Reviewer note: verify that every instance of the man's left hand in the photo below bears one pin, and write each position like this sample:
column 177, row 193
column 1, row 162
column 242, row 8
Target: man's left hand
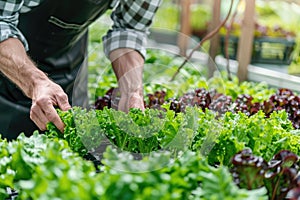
column 128, row 67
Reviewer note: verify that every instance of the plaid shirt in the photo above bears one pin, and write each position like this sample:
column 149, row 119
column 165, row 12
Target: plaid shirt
column 131, row 18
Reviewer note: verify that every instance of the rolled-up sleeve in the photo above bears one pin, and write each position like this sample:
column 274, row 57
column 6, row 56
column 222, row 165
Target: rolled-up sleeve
column 9, row 15
column 131, row 21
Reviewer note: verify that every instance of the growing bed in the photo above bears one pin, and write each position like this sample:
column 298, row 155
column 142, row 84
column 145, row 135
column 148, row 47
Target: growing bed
column 197, row 139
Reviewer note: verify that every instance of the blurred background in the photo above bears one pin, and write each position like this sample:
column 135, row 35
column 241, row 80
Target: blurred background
column 259, row 42
column 276, row 35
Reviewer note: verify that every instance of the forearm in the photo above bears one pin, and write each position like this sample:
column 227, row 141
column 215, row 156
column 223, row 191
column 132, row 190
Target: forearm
column 128, row 67
column 45, row 94
column 18, row 67
column 127, row 62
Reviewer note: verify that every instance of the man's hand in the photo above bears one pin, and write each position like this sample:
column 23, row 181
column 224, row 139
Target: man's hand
column 46, row 95
column 128, row 67
column 131, row 92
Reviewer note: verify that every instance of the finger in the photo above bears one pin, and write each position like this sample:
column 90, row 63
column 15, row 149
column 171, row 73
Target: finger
column 50, row 113
column 38, row 117
column 53, row 117
column 62, row 102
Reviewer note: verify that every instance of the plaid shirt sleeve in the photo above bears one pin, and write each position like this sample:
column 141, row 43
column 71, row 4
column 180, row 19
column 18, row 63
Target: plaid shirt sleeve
column 132, row 19
column 9, row 14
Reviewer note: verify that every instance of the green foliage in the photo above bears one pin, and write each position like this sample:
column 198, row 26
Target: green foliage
column 200, row 16
column 137, row 131
column 160, row 66
column 186, row 177
column 99, row 28
column 167, row 16
column 260, row 91
column 42, row 168
column 62, row 175
column 234, row 132
column 71, row 131
column 55, row 172
column 153, row 130
column 217, row 184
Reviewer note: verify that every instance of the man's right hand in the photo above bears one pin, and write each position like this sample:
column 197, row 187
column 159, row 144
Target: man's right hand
column 45, row 96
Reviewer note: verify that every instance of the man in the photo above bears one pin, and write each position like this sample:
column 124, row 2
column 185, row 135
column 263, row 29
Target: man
column 43, row 45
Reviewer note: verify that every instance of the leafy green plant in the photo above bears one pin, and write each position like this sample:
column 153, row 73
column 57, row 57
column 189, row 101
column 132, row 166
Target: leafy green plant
column 218, row 184
column 137, row 131
column 186, row 177
column 42, row 168
column 71, row 133
column 265, row 136
column 260, row 91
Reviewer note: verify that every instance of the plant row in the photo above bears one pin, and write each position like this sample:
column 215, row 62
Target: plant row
column 160, row 153
column 283, row 99
column 42, row 168
column 216, row 138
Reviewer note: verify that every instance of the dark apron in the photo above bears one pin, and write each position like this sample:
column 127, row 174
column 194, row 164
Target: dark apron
column 56, row 32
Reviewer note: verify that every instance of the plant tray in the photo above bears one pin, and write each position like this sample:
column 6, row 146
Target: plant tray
column 266, row 50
